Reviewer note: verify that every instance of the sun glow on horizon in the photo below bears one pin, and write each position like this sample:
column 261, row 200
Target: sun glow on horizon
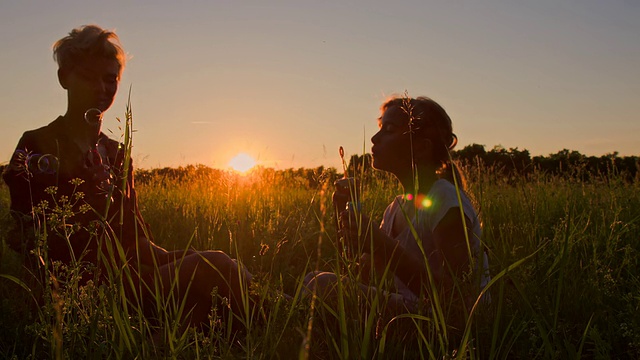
column 242, row 162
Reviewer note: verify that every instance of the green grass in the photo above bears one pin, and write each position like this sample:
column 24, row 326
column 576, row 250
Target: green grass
column 564, row 255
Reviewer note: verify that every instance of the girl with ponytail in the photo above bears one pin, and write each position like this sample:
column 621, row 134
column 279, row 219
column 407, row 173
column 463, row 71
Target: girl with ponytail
column 429, row 238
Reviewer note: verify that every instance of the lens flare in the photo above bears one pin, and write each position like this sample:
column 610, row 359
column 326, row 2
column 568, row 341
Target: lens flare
column 421, row 201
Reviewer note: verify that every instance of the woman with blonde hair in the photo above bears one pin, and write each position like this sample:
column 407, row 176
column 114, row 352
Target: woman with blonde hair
column 73, row 162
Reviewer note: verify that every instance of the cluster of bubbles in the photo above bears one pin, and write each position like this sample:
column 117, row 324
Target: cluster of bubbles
column 25, row 162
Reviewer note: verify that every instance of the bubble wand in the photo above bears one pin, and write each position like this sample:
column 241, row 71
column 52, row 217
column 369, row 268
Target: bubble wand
column 344, row 165
column 345, row 198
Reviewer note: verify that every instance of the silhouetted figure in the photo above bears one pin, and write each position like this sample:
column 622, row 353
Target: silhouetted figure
column 71, row 165
column 423, row 233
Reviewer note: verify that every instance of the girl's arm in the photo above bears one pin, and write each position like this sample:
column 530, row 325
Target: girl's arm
column 451, row 253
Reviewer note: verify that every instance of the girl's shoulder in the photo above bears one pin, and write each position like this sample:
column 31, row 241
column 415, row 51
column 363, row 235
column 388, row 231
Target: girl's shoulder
column 442, row 197
column 443, row 192
column 394, row 205
column 390, row 213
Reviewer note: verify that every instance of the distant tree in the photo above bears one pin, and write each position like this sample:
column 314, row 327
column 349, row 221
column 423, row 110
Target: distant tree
column 359, row 164
column 629, row 165
column 472, row 154
column 564, row 162
column 316, row 176
column 520, row 160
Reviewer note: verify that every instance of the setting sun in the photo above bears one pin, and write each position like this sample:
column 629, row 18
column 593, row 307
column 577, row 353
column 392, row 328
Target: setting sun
column 242, row 162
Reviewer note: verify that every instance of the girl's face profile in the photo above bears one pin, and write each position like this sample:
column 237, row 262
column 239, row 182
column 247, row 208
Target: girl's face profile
column 391, row 149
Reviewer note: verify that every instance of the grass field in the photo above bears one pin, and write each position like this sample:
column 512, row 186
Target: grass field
column 564, row 255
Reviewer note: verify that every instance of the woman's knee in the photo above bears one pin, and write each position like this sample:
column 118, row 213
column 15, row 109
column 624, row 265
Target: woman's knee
column 320, row 282
column 216, row 256
column 224, row 265
column 214, row 259
column 310, row 277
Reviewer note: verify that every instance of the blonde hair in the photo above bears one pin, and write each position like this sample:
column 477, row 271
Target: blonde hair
column 87, row 42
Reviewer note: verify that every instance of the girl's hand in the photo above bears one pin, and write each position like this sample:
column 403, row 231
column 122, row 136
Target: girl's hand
column 340, row 200
column 346, row 190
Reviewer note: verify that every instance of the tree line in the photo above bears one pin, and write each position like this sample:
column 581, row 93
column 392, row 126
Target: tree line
column 514, row 161
column 508, row 162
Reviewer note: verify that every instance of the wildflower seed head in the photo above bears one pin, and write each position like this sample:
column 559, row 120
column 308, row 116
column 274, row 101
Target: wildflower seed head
column 42, row 206
column 76, row 182
column 84, row 208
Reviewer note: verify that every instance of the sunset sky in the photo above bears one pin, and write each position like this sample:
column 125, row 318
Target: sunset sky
column 288, row 82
